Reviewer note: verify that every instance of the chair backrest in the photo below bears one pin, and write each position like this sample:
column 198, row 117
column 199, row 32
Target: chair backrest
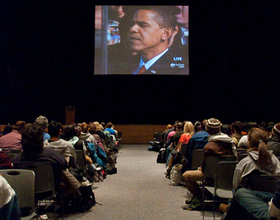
column 44, row 178
column 23, row 182
column 80, row 159
column 261, row 181
column 224, row 178
column 197, row 158
column 210, row 167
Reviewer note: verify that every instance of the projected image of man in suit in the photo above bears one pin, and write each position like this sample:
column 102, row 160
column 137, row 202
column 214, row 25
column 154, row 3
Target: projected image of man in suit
column 150, row 35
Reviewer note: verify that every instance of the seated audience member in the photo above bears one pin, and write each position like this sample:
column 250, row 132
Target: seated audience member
column 99, row 143
column 197, row 126
column 12, row 140
column 96, row 128
column 56, row 143
column 85, row 135
column 174, row 139
column 219, row 144
column 269, row 128
column 166, row 133
column 42, row 122
column 227, row 130
column 69, row 134
column 243, row 142
column 261, row 159
column 197, row 141
column 237, row 128
column 8, row 128
column 35, row 152
column 5, row 162
column 9, row 206
column 184, row 139
column 274, row 141
column 110, row 127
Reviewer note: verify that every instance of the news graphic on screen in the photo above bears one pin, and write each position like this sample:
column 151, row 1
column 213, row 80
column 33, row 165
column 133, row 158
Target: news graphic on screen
column 144, row 39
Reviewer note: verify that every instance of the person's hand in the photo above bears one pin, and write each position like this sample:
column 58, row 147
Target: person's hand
column 199, row 168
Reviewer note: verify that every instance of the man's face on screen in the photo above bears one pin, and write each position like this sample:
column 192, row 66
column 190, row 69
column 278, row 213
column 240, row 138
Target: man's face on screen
column 145, row 33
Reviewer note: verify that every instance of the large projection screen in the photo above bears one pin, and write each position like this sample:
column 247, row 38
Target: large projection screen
column 129, row 38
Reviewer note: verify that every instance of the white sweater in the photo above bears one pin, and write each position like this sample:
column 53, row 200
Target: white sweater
column 6, row 192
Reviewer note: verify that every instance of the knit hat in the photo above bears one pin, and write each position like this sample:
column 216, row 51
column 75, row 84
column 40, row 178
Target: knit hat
column 276, row 129
column 213, row 126
column 42, row 121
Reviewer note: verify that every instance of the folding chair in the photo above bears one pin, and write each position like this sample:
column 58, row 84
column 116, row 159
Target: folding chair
column 218, row 177
column 80, row 159
column 263, row 181
column 197, row 158
column 44, row 183
column 25, row 190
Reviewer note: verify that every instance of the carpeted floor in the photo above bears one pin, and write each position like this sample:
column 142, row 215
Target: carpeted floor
column 139, row 191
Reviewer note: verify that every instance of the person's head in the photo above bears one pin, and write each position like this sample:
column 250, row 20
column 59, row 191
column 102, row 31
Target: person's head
column 85, row 128
column 20, row 126
column 213, row 126
column 109, row 125
column 179, row 126
column 269, row 128
column 68, row 132
column 54, row 129
column 32, row 139
column 78, row 131
column 151, row 29
column 197, row 126
column 276, row 129
column 188, row 127
column 257, row 140
column 98, row 126
column 251, row 125
column 8, row 128
column 237, row 127
column 91, row 128
column 203, row 124
column 225, row 128
column 42, row 122
column 169, row 126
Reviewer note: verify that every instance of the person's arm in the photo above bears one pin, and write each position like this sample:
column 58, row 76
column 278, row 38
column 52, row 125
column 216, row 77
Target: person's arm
column 236, row 178
column 274, row 205
column 273, row 210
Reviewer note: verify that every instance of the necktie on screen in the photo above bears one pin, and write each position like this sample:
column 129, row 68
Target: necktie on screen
column 141, row 70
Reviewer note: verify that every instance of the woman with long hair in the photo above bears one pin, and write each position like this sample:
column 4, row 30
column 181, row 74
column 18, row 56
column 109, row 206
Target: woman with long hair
column 249, row 201
column 188, row 132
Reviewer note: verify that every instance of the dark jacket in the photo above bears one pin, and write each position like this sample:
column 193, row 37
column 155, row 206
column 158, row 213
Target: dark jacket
column 274, row 144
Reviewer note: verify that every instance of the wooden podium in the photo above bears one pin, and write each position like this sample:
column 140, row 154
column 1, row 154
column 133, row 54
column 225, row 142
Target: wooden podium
column 69, row 115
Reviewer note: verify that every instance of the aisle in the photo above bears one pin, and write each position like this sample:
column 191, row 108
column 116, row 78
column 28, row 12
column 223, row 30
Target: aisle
column 139, row 191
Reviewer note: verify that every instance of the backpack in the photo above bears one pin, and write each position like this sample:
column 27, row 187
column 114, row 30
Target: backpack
column 88, row 198
column 84, row 204
column 95, row 158
column 161, row 158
